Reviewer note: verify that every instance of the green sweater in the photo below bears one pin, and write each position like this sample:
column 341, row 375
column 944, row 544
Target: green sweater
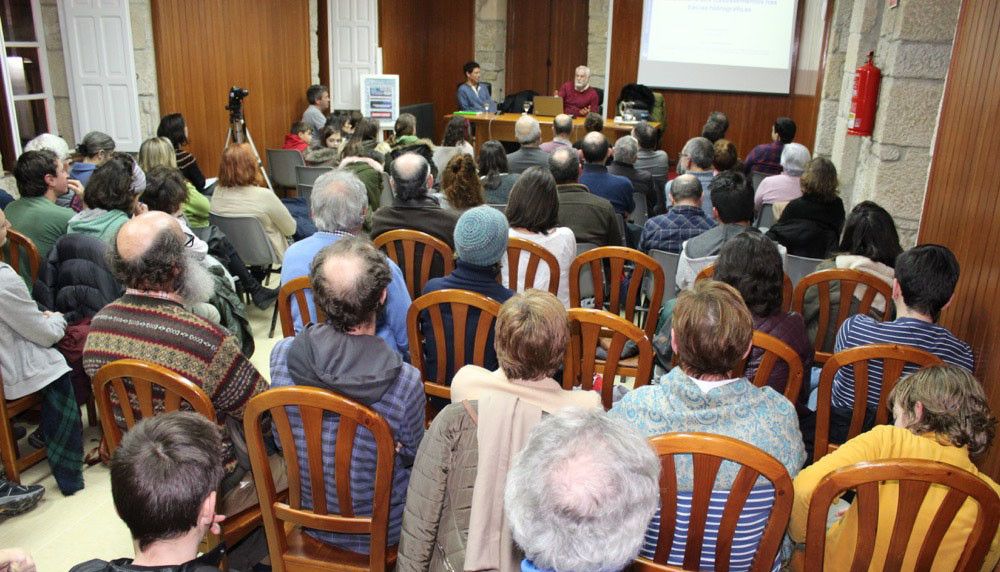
column 196, row 208
column 39, row 219
column 98, row 223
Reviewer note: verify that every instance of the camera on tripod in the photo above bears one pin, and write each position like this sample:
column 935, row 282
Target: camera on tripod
column 235, row 107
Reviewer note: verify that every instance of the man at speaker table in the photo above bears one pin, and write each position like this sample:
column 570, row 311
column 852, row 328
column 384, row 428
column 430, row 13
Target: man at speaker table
column 472, row 95
column 578, row 97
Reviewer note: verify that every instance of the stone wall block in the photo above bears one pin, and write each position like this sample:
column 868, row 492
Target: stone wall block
column 927, row 20
column 57, row 72
column 918, row 60
column 826, row 128
column 142, row 25
column 50, row 27
column 64, row 120
column 145, row 70
column 833, row 76
column 907, row 111
column 899, row 186
column 886, row 152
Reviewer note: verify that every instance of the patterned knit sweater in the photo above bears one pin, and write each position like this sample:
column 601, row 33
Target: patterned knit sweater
column 163, row 332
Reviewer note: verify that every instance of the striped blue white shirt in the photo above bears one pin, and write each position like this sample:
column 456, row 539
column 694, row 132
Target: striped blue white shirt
column 862, row 330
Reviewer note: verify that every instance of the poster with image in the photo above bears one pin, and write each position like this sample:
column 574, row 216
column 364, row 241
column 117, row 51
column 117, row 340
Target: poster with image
column 380, row 98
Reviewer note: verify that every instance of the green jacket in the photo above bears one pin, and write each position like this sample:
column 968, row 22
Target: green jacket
column 98, row 223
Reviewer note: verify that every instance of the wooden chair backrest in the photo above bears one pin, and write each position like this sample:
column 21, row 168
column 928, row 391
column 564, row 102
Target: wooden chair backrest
column 849, row 281
column 536, row 254
column 708, row 451
column 313, row 404
column 146, row 381
column 894, row 358
column 401, row 247
column 586, row 327
column 616, row 257
column 18, row 244
column 774, row 350
column 460, row 302
column 295, row 289
column 914, row 478
column 786, row 286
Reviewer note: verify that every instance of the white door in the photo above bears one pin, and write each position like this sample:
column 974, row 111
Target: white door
column 353, row 49
column 97, row 42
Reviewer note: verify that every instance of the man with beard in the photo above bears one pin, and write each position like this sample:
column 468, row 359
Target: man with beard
column 151, row 322
column 578, row 97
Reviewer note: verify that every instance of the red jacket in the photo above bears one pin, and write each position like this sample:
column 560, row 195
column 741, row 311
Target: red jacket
column 293, row 141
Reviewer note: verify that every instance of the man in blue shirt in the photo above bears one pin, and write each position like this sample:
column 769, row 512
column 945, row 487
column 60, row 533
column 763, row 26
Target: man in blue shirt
column 339, row 202
column 595, row 176
column 684, row 220
column 472, row 95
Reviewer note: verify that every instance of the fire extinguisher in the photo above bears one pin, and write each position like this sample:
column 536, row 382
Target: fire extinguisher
column 864, row 98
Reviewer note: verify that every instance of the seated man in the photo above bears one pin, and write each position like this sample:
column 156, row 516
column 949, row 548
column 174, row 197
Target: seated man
column 626, row 151
column 164, row 477
column 712, row 334
column 650, row 157
column 684, row 220
column 766, row 157
column 578, row 97
column 529, row 135
column 595, row 176
column 319, row 103
column 696, row 159
column 925, row 281
column 151, row 323
column 591, row 218
column 299, row 137
column 472, row 95
column 339, row 205
column 343, row 355
column 715, row 126
column 562, row 128
column 41, row 177
column 412, row 207
column 580, row 494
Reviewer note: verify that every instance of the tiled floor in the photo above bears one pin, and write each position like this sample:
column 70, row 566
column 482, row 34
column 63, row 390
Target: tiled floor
column 63, row 531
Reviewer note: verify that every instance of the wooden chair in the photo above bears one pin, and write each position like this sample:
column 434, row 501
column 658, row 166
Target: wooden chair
column 617, row 302
column 849, row 280
column 912, row 479
column 536, row 254
column 587, row 328
column 295, row 289
column 460, row 302
column 159, row 390
column 13, row 462
column 707, row 452
column 18, row 245
column 289, row 546
column 786, row 286
column 894, row 358
column 401, row 247
column 774, row 350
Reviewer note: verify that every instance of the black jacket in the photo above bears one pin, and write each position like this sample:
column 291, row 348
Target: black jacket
column 76, row 279
column 809, row 226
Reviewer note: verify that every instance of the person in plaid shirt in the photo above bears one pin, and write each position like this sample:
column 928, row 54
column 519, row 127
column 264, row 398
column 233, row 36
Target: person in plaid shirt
column 766, row 157
column 684, row 220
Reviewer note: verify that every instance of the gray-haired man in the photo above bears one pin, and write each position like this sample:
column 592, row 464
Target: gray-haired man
column 529, row 134
column 626, row 151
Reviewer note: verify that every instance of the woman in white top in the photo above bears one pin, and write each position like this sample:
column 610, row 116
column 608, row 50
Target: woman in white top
column 533, row 213
column 455, row 142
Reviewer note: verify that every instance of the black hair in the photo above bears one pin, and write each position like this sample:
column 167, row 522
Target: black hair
column 785, row 128
column 110, row 187
column 166, row 189
column 315, row 93
column 470, row 67
column 593, row 122
column 751, row 263
column 30, row 171
column 870, row 231
column 326, row 132
column 336, row 120
column 647, row 135
column 732, row 196
column 300, row 127
column 172, row 127
column 492, row 162
column 349, row 306
column 534, row 202
column 927, row 275
column 456, row 132
column 565, row 166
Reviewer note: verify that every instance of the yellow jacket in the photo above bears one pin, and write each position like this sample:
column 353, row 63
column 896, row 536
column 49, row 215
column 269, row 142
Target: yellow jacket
column 881, row 443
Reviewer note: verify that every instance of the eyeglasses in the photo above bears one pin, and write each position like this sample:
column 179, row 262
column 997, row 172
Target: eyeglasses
column 190, row 241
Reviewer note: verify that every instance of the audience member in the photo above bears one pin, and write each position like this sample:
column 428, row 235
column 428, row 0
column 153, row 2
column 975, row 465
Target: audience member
column 444, row 526
column 715, row 126
column 578, row 97
column 31, row 364
column 325, row 148
column 299, row 137
column 529, row 135
column 93, row 150
column 109, row 198
column 533, row 214
column 174, row 128
column 412, row 208
column 159, row 152
column 350, row 122
column 404, row 131
column 366, row 165
column 650, row 158
column 925, row 281
column 73, row 197
column 810, row 225
column 473, row 95
column 712, row 334
column 364, row 138
column 784, row 187
column 164, row 478
column 319, row 103
column 460, row 185
column 941, row 414
column 41, row 177
column 350, row 280
column 696, row 159
column 871, row 245
column 684, row 220
column 338, row 206
column 494, row 173
column 595, row 176
column 766, row 157
column 562, row 129
column 150, row 323
column 455, row 142
column 591, row 218
column 480, row 244
column 726, row 157
column 626, row 151
column 580, row 494
column 239, row 194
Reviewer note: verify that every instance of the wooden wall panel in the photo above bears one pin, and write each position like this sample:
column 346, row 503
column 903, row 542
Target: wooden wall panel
column 567, row 40
column 750, row 115
column 204, row 48
column 529, row 25
column 402, row 35
column 961, row 207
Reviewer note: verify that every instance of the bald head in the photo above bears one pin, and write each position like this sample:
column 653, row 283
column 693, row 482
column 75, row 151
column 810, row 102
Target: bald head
column 565, row 165
column 410, row 175
column 349, row 280
column 595, row 147
column 562, row 125
column 686, row 189
column 526, row 131
column 149, row 253
column 139, row 233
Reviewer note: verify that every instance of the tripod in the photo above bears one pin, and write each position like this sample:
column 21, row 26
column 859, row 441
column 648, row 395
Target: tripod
column 240, row 133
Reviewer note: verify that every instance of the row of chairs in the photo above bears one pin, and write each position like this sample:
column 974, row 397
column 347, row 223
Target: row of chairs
column 288, row 170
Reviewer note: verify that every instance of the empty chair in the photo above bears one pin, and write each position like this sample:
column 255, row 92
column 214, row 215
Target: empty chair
column 305, row 177
column 765, row 218
column 590, row 329
column 639, row 214
column 252, row 244
column 668, row 262
column 281, row 166
column 612, row 292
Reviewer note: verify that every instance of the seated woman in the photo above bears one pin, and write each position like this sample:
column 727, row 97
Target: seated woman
column 810, row 225
column 941, row 414
column 110, row 199
column 460, row 186
column 405, row 130
column 175, row 129
column 455, row 142
column 533, row 214
column 31, row 364
column 713, row 330
column 159, row 152
column 325, row 151
column 444, row 526
column 870, row 244
column 493, row 171
column 239, row 194
column 92, row 151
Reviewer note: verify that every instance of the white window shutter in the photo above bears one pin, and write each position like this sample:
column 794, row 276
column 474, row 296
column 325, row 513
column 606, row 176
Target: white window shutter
column 100, row 69
column 353, row 26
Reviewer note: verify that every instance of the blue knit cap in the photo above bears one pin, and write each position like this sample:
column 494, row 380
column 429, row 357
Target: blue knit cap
column 481, row 236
